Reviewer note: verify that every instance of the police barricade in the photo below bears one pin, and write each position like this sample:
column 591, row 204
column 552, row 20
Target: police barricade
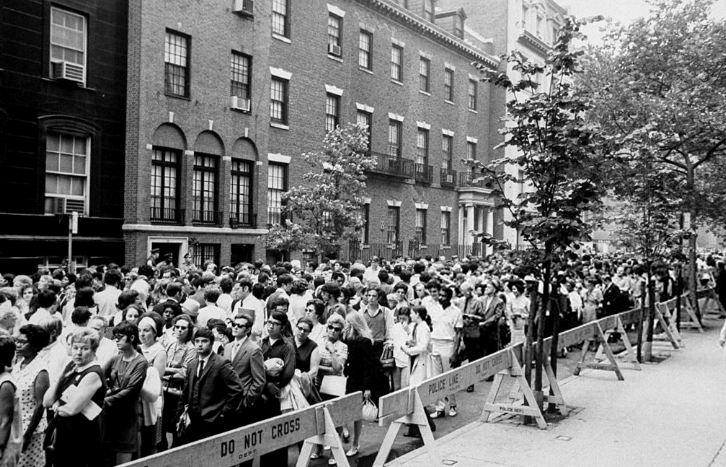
column 407, row 406
column 315, row 425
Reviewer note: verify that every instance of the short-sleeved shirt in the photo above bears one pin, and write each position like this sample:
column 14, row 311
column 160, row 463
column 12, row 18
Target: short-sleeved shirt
column 445, row 322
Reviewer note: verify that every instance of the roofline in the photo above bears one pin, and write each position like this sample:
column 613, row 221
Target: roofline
column 433, row 31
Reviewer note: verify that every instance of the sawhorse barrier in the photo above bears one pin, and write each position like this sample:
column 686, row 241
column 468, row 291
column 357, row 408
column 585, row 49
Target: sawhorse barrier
column 705, row 298
column 315, row 425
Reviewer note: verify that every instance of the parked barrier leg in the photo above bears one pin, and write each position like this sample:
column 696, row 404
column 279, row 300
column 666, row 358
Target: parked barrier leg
column 630, row 356
column 417, row 417
column 327, row 436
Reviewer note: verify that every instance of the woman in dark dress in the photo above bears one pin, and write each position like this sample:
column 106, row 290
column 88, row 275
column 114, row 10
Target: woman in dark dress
column 125, row 377
column 362, row 369
column 77, row 434
column 307, row 355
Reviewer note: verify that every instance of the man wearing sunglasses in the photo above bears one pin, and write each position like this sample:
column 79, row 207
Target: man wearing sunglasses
column 246, row 358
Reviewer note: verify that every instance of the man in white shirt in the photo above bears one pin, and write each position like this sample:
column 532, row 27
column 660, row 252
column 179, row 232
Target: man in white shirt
column 108, row 298
column 225, row 299
column 211, row 295
column 106, row 347
column 370, row 276
column 248, row 301
column 47, row 305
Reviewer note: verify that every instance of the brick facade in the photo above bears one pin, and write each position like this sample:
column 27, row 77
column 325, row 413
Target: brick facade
column 215, row 31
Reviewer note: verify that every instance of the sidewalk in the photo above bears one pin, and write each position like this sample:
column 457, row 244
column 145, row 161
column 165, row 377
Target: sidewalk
column 669, row 414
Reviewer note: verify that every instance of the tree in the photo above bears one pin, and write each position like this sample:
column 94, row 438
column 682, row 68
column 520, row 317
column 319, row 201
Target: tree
column 558, row 156
column 326, row 210
column 659, row 88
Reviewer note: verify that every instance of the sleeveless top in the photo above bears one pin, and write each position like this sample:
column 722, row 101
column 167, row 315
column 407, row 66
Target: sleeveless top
column 26, row 388
column 15, row 441
column 377, row 323
column 71, row 377
column 302, row 355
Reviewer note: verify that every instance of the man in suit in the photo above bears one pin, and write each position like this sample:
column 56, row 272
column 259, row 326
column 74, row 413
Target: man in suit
column 493, row 307
column 246, row 358
column 611, row 297
column 212, row 391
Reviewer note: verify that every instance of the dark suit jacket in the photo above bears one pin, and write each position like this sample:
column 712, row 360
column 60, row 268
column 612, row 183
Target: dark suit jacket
column 492, row 313
column 250, row 367
column 219, row 390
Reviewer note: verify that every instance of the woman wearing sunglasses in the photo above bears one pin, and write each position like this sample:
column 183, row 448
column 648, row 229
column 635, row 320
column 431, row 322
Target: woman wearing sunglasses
column 178, row 356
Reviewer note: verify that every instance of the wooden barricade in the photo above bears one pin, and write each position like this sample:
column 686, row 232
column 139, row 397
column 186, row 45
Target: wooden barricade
column 597, row 336
column 667, row 321
column 618, row 327
column 407, row 405
column 691, row 320
column 313, row 425
column 707, row 297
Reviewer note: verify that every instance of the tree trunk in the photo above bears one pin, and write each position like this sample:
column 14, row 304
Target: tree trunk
column 557, row 307
column 639, row 326
column 541, row 324
column 648, row 348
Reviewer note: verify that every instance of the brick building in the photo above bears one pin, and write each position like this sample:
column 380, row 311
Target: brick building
column 224, row 96
column 62, row 128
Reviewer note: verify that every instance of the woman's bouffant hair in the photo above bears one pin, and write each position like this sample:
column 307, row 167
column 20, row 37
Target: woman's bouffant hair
column 91, row 336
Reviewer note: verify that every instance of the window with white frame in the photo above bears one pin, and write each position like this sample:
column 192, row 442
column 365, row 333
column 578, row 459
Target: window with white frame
column 394, row 138
column 334, row 33
column 422, row 146
column 446, row 145
column 67, row 162
column 397, row 63
column 471, row 150
column 429, row 10
column 240, row 193
column 421, row 226
column 240, row 78
column 472, row 94
column 525, row 16
column 424, row 70
column 278, row 100
column 445, row 228
column 449, row 84
column 332, row 112
column 204, row 189
column 280, row 22
column 68, row 36
column 365, row 44
column 393, row 224
column 176, row 64
column 276, row 186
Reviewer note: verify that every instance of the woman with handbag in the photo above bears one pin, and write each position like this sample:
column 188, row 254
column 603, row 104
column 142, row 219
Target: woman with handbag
column 150, row 326
column 362, row 368
column 125, row 378
column 418, row 349
column 31, row 373
column 73, row 438
column 179, row 354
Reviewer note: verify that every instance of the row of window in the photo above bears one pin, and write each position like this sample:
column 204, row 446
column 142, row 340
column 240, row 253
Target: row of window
column 393, row 226
column 165, row 200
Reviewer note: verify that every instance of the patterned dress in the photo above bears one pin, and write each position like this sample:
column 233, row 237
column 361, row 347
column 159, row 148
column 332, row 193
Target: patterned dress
column 25, row 377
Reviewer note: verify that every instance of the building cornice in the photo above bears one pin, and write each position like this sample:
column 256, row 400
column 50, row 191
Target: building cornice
column 534, row 42
column 431, row 30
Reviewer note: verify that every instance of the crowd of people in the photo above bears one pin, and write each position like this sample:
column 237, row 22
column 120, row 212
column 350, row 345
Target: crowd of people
column 116, row 363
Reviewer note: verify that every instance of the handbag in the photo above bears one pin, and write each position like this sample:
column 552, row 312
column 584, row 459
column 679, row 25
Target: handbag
column 387, row 359
column 333, row 385
column 151, row 390
column 49, row 435
column 370, row 411
column 184, row 421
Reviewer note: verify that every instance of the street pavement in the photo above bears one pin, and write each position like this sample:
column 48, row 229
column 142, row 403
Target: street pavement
column 668, row 414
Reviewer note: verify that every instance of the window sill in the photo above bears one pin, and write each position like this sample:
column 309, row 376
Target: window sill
column 445, row 247
column 72, row 84
column 425, row 93
column 176, row 96
column 423, row 247
column 396, row 82
column 365, row 70
column 335, row 58
column 473, row 111
column 281, row 126
column 281, row 38
column 449, row 102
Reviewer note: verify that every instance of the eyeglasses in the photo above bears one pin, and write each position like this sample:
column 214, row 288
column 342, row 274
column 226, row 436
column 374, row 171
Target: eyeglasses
column 273, row 323
column 305, row 330
column 118, row 337
column 238, row 325
column 183, row 328
column 373, row 295
column 19, row 342
column 310, row 310
column 335, row 328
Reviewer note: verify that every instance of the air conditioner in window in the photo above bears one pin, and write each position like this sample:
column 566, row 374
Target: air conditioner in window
column 243, row 6
column 334, row 49
column 449, row 178
column 240, row 103
column 75, row 205
column 57, row 206
column 67, row 71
